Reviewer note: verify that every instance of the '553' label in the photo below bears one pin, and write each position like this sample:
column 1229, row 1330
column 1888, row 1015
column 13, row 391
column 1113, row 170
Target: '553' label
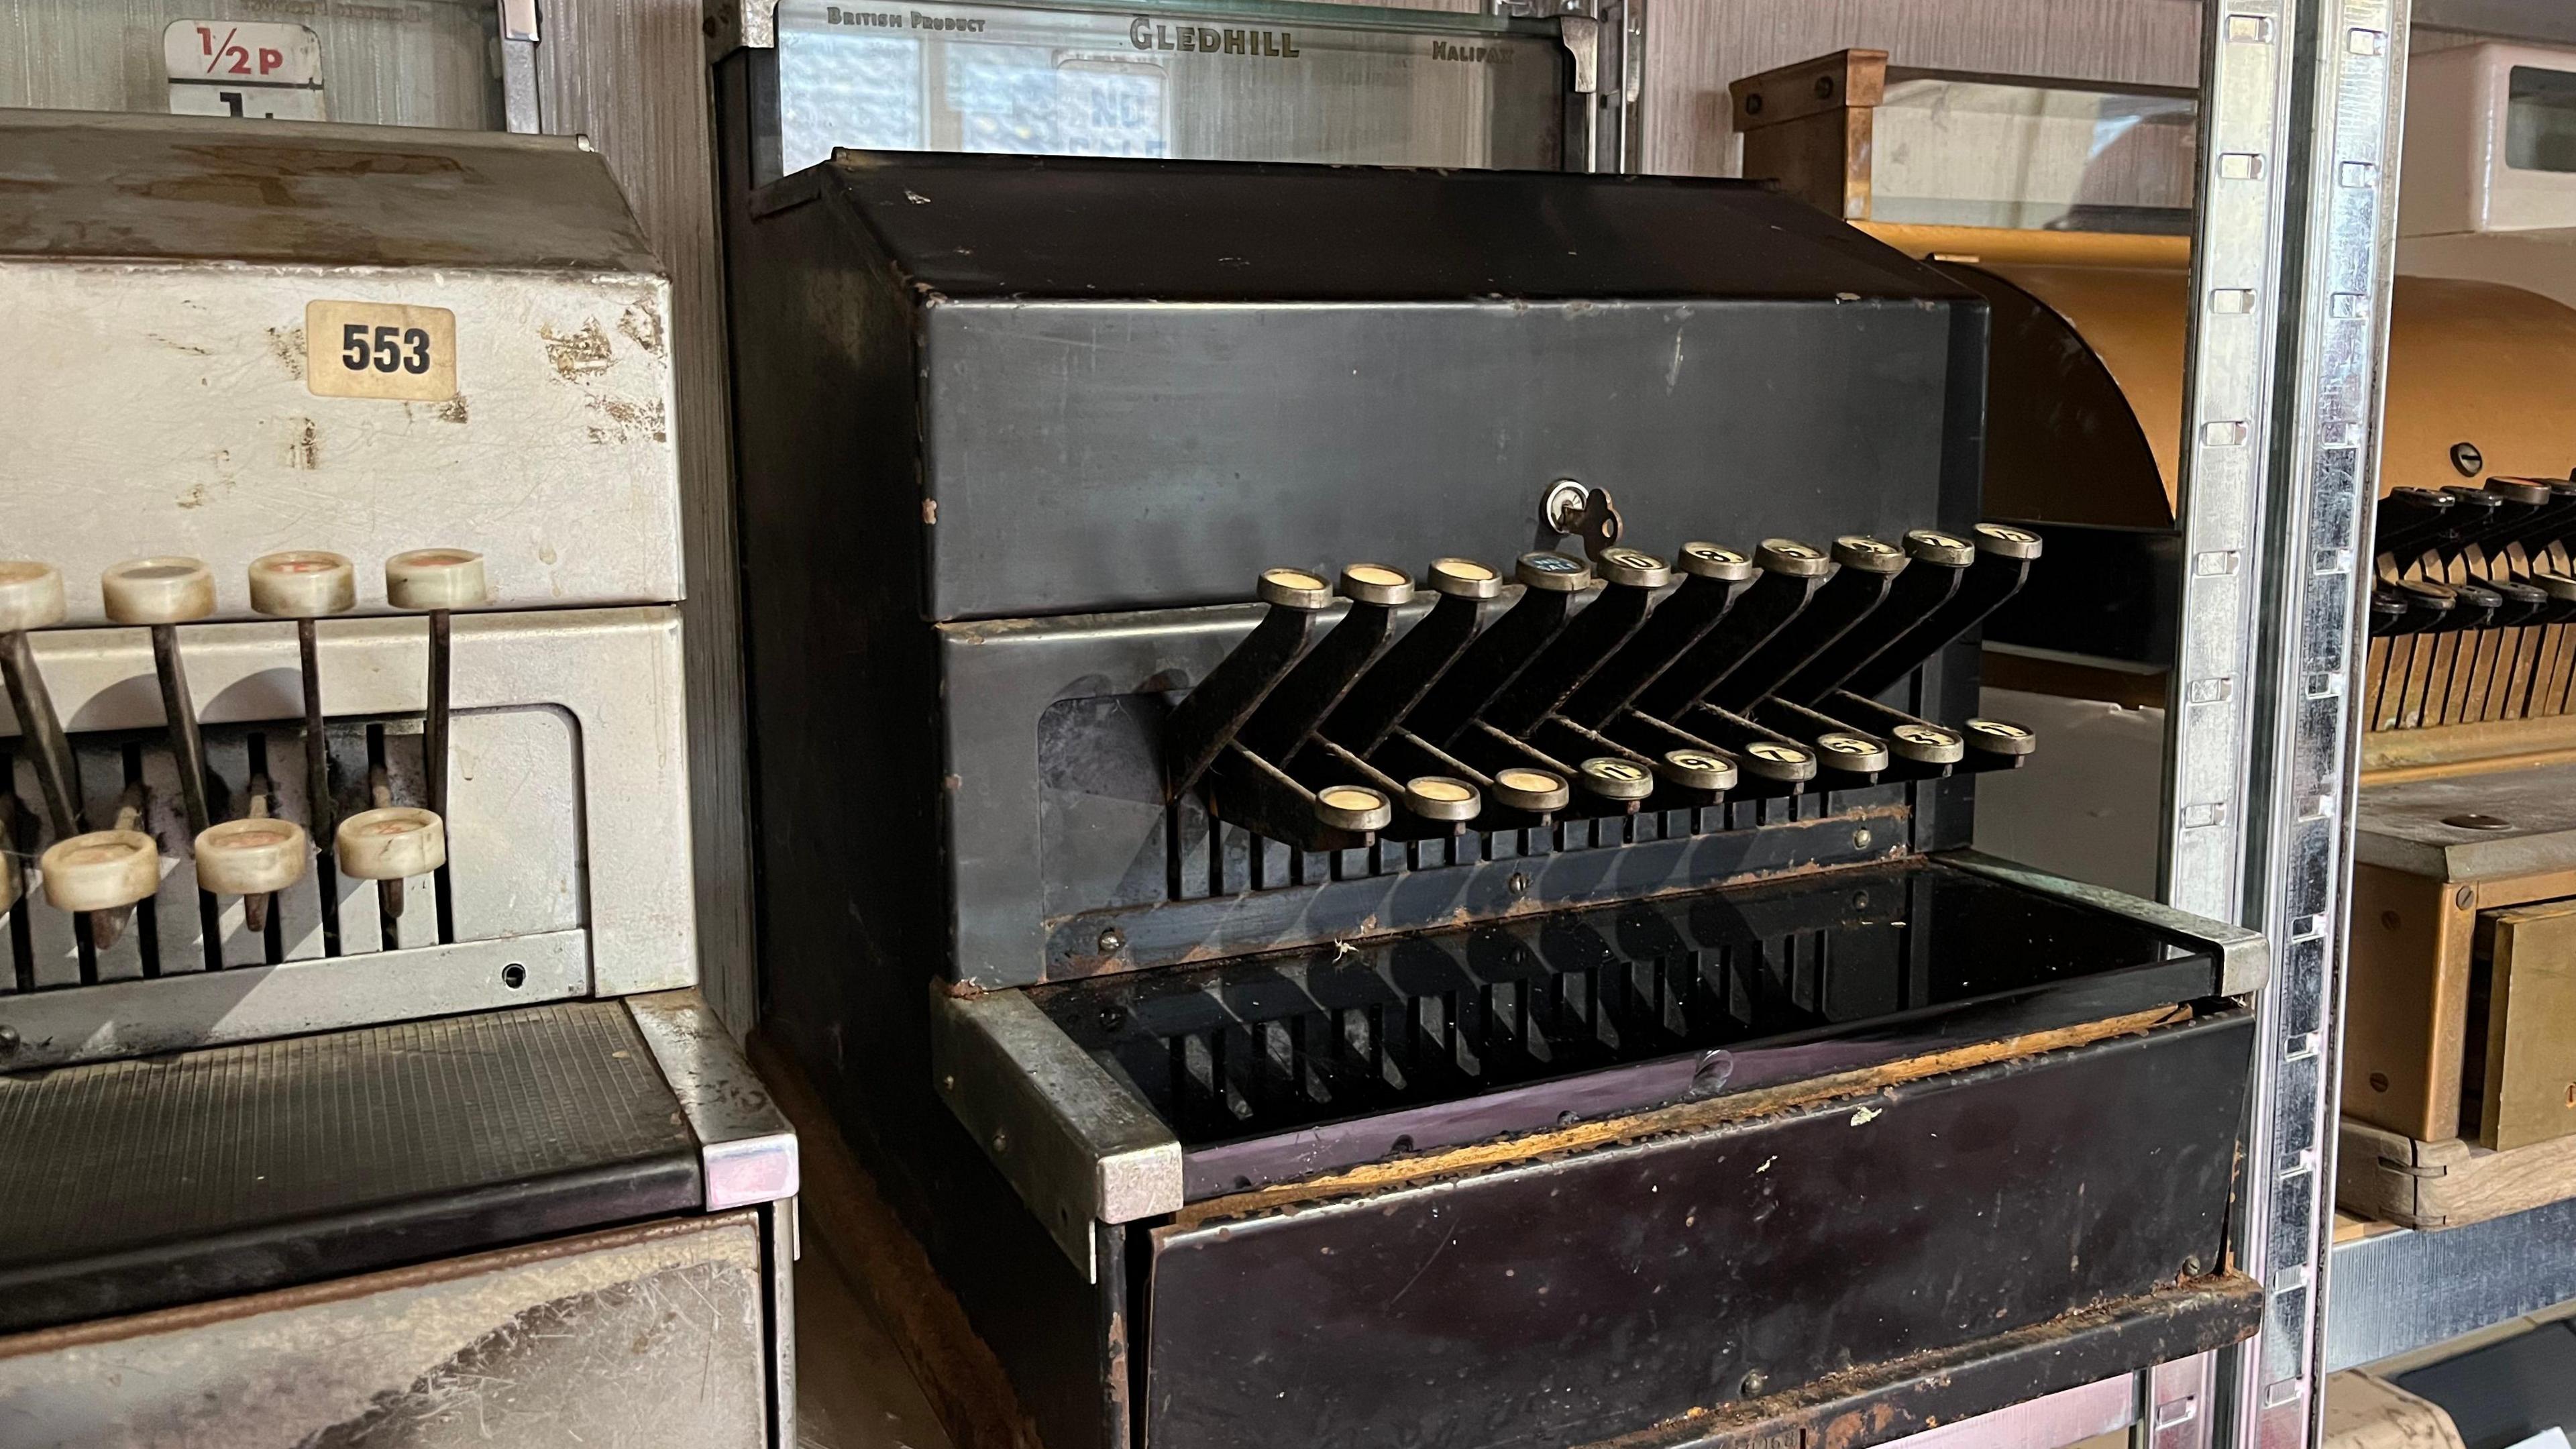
column 379, row 349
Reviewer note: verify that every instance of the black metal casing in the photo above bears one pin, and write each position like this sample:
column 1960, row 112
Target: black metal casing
column 1016, row 434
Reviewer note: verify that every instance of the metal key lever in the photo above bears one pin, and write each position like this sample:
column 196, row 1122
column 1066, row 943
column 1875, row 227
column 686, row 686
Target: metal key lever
column 1773, row 765
column 1549, row 583
column 1321, row 679
column 2547, row 688
column 2469, row 522
column 1866, row 570
column 1843, row 751
column 1937, row 563
column 1245, row 789
column 2005, row 554
column 2429, row 684
column 2521, row 547
column 253, row 857
column 1205, row 722
column 1713, row 578
column 1918, row 748
column 439, row 581
column 1693, row 767
column 1407, row 670
column 1516, row 797
column 2429, row 607
column 31, row 597
column 163, row 593
column 1427, row 806
column 1629, row 578
column 2408, row 520
column 2502, row 659
column 304, row 585
column 103, row 874
column 1790, row 575
column 1603, row 785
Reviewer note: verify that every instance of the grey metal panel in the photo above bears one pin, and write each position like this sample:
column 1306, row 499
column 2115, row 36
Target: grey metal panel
column 1169, row 436
column 307, row 193
column 2531, row 810
column 745, row 1145
column 650, row 1335
column 2395, row 1292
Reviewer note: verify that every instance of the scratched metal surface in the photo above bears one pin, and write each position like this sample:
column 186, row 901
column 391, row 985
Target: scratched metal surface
column 646, row 1336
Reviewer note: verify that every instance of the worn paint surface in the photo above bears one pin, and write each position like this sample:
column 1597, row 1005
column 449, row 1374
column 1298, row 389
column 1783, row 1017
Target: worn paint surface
column 648, row 1336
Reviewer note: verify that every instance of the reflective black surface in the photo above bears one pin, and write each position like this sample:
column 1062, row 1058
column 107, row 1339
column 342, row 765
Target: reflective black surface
column 1581, row 1013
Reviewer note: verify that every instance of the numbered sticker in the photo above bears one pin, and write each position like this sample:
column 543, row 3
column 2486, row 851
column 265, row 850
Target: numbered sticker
column 256, row 70
column 379, row 349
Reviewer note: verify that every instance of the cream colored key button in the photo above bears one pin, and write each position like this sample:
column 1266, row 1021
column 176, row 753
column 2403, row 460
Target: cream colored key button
column 251, row 857
column 1353, row 807
column 31, row 595
column 101, row 871
column 163, row 590
column 391, row 842
column 302, row 584
column 435, row 578
column 1537, row 791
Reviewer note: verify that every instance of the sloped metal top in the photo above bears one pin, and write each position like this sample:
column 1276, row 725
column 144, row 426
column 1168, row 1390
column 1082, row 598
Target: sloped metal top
column 1078, row 227
column 2523, row 822
column 80, row 184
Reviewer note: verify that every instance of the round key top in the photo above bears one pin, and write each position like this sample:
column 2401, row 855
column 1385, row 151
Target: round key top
column 1779, row 760
column 1788, row 556
column 31, row 595
column 164, row 590
column 251, row 857
column 2006, row 540
column 1438, row 797
column 2002, row 737
column 391, row 842
column 1464, row 578
column 1697, row 769
column 101, row 871
column 302, row 584
column 1293, row 589
column 1858, row 753
column 1613, row 778
column 1555, row 572
column 1369, row 583
column 1633, row 568
column 1932, row 546
column 1925, row 744
column 435, row 578
column 1537, row 791
column 1869, row 555
column 1715, row 561
column 1353, row 807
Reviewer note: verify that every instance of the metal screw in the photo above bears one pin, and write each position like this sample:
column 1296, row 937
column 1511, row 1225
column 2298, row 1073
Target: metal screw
column 2191, row 1267
column 1824, row 88
column 1112, row 941
column 1753, row 104
column 1860, row 839
column 8, row 1038
column 1001, row 1143
column 1518, row 885
column 1755, row 1382
column 514, row 976
column 948, row 1081
column 2379, row 1081
column 2467, row 458
column 2464, row 897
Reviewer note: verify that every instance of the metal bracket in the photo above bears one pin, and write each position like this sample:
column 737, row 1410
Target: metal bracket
column 520, row 109
column 2244, row 957
column 1077, row 1144
column 745, row 1145
column 1582, row 37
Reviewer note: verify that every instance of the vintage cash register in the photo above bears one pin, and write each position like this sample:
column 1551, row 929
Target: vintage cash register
column 349, row 1052
column 1362, row 777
